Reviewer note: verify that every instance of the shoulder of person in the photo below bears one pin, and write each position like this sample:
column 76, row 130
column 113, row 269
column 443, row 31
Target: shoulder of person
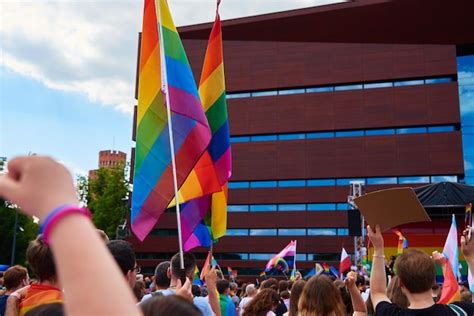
column 462, row 308
column 387, row 308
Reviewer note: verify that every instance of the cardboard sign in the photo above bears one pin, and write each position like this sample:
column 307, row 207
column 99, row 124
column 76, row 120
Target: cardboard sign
column 391, row 207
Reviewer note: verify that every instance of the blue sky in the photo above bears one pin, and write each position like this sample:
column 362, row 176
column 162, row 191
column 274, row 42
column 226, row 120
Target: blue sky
column 67, row 71
column 466, row 98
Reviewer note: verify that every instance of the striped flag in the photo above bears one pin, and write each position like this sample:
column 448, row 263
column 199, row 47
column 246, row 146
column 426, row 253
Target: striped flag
column 345, row 263
column 213, row 96
column 196, row 279
column 402, row 242
column 208, row 264
column 283, row 260
column 450, row 292
column 164, row 75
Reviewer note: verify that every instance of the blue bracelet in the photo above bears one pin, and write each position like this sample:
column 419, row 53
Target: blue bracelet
column 52, row 214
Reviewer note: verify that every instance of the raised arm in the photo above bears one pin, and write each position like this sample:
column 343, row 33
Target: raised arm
column 360, row 309
column 378, row 286
column 85, row 267
column 211, row 279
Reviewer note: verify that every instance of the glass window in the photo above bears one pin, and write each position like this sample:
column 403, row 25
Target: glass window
column 237, row 208
column 263, row 207
column 292, row 136
column 378, row 85
column 292, row 207
column 322, row 232
column 385, row 131
column 291, row 183
column 348, row 181
column 239, row 139
column 319, row 89
column 263, row 232
column 239, row 184
column 435, row 179
column 322, row 207
column 321, row 182
column 343, row 206
column 348, row 87
column 238, row 95
column 263, row 184
column 320, row 135
column 411, row 130
column 291, row 232
column 407, row 83
column 349, row 133
column 438, row 80
column 300, row 257
column 386, row 180
column 260, row 256
column 343, row 232
column 264, row 93
column 237, row 232
column 439, row 129
column 325, row 257
column 291, row 91
column 164, row 232
column 403, row 180
column 263, row 138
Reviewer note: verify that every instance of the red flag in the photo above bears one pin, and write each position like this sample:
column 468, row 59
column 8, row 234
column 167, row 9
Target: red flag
column 345, row 262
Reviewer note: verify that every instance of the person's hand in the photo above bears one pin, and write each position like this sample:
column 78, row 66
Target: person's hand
column 467, row 246
column 185, row 290
column 211, row 279
column 351, row 279
column 298, row 276
column 439, row 258
column 37, row 185
column 376, row 237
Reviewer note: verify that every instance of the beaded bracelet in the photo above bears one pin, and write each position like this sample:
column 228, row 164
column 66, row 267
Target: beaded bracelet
column 58, row 213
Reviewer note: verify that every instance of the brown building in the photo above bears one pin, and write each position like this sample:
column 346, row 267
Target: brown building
column 109, row 159
column 308, row 115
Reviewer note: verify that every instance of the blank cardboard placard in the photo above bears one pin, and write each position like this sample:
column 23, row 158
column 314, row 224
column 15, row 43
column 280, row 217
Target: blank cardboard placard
column 391, row 207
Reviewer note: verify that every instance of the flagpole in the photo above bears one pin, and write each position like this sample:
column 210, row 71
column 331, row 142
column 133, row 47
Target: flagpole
column 164, row 89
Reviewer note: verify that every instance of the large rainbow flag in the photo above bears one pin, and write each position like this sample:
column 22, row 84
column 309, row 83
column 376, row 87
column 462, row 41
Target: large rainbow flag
column 164, row 74
column 205, row 219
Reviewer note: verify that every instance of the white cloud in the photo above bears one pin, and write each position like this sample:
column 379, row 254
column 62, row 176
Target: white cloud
column 90, row 47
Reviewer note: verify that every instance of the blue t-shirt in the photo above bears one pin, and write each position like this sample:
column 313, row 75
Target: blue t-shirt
column 3, row 304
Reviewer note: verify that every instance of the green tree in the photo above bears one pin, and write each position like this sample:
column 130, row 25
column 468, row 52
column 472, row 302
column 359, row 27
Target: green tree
column 107, row 198
column 27, row 231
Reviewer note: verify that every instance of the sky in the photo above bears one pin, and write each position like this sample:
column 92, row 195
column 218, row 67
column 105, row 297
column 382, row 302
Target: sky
column 67, row 71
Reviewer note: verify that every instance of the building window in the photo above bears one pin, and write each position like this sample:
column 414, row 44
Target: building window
column 407, row 83
column 435, row 179
column 291, row 183
column 377, row 132
column 440, row 129
column 348, row 87
column 237, row 232
column 343, row 232
column 291, row 232
column 321, row 207
column 292, row 207
column 263, row 184
column 343, row 206
column 263, row 232
column 438, row 80
column 263, row 138
column 264, row 93
column 320, row 135
column 411, row 130
column 292, row 136
column 237, row 208
column 378, row 85
column 239, row 185
column 263, row 207
column 322, row 232
column 321, row 182
column 403, row 180
column 319, row 89
column 348, row 181
column 291, row 91
column 239, row 139
column 350, row 134
column 386, row 180
column 260, row 256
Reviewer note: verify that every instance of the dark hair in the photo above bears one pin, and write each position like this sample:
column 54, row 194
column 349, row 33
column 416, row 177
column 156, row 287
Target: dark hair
column 169, row 305
column 139, row 289
column 296, row 290
column 271, row 283
column 262, row 303
column 345, row 295
column 416, row 271
column 123, row 254
column 283, row 286
column 196, row 290
column 189, row 265
column 52, row 309
column 161, row 274
column 395, row 294
column 320, row 297
column 40, row 258
column 222, row 285
column 13, row 277
column 285, row 295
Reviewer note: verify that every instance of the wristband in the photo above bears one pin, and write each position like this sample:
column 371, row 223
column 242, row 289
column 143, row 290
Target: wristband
column 57, row 214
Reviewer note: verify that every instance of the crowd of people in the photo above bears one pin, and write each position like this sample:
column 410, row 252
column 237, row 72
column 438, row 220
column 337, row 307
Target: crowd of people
column 78, row 271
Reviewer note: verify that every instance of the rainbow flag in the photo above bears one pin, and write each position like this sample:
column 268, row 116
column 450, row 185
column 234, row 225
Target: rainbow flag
column 210, row 262
column 164, row 75
column 196, row 279
column 213, row 96
column 283, row 260
column 326, row 267
column 402, row 242
column 39, row 294
column 450, row 292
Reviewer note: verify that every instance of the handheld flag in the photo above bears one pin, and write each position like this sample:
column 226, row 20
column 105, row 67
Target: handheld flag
column 450, row 291
column 164, row 75
column 196, row 279
column 211, row 209
column 283, row 260
column 318, row 269
column 402, row 242
column 345, row 264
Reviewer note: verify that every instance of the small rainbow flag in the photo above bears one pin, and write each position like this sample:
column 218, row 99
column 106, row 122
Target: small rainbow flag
column 164, row 75
column 450, row 291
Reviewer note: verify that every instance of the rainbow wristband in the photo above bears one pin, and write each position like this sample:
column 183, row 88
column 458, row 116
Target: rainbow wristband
column 57, row 214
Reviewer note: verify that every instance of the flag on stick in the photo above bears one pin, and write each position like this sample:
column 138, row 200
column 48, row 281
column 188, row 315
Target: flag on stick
column 345, row 264
column 402, row 242
column 283, row 260
column 450, row 292
column 164, row 75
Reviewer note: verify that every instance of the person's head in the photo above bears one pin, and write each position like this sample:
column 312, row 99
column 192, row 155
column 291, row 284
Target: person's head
column 123, row 254
column 466, row 296
column 139, row 290
column 223, row 286
column 266, row 300
column 15, row 277
column 283, row 286
column 250, row 290
column 169, row 305
column 271, row 283
column 233, row 288
column 189, row 266
column 360, row 283
column 196, row 290
column 162, row 280
column 41, row 261
column 285, row 295
column 416, row 271
column 395, row 294
column 320, row 297
column 296, row 290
